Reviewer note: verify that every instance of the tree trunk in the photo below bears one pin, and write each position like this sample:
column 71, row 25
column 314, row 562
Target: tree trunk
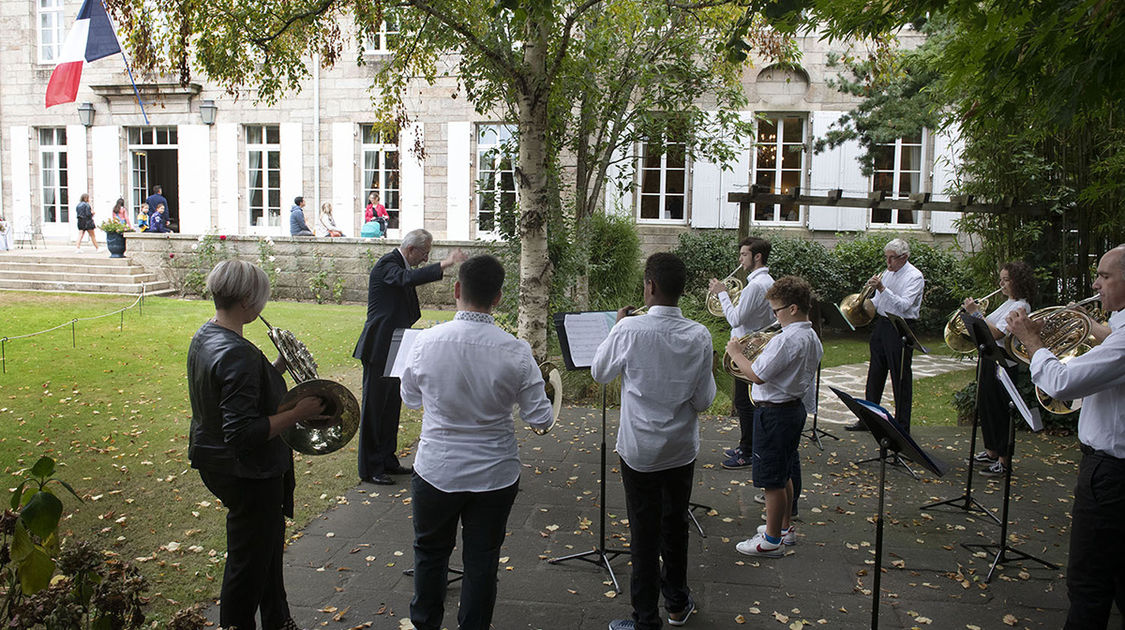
column 535, row 266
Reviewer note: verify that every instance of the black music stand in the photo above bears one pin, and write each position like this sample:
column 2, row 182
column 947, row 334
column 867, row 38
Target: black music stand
column 601, row 555
column 835, row 318
column 1003, row 548
column 986, row 349
column 892, row 438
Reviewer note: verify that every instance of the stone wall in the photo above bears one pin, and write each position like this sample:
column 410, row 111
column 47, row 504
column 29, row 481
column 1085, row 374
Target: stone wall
column 296, row 259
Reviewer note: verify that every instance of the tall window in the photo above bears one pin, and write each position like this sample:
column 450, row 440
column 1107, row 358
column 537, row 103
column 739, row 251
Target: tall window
column 380, row 170
column 52, row 170
column 779, row 164
column 263, row 174
column 141, row 141
column 496, row 180
column 898, row 172
column 51, row 31
column 664, row 175
column 384, row 39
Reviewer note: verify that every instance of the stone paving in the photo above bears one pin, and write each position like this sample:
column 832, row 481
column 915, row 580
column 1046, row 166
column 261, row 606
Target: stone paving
column 345, row 570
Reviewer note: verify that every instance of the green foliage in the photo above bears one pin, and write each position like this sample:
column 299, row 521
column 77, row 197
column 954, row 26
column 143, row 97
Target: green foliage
column 707, row 254
column 615, row 268
column 267, row 260
column 319, row 282
column 791, row 256
column 113, row 225
column 188, row 272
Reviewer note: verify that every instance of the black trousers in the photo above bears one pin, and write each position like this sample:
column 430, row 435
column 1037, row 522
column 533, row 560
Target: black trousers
column 1095, row 572
column 484, row 521
column 657, row 504
column 252, row 578
column 745, row 408
column 378, row 424
column 887, row 357
column 994, row 411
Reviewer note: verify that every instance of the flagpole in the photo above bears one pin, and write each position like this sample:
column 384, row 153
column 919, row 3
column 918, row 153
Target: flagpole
column 128, row 69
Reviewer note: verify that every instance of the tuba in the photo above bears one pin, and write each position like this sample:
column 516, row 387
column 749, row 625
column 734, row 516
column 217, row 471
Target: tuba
column 858, row 307
column 956, row 336
column 734, row 290
column 752, row 345
column 340, row 420
column 1065, row 329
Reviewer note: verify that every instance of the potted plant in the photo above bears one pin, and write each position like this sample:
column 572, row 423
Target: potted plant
column 115, row 237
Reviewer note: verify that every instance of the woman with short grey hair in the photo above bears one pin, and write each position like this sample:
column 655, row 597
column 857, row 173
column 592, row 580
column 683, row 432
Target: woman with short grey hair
column 234, row 443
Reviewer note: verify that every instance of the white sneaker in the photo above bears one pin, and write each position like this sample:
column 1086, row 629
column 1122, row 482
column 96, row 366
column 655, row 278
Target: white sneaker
column 759, row 546
column 788, row 537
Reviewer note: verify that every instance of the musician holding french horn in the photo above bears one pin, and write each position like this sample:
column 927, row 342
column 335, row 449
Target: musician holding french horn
column 235, row 444
column 1017, row 283
column 1097, row 547
column 746, row 313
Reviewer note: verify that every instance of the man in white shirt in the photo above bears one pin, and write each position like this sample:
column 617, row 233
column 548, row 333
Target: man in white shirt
column 783, row 375
column 751, row 314
column 467, row 374
column 1095, row 577
column 898, row 291
column 664, row 361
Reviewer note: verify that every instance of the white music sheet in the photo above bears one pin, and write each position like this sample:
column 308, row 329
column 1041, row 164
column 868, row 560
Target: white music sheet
column 585, row 332
column 400, row 351
column 1033, row 419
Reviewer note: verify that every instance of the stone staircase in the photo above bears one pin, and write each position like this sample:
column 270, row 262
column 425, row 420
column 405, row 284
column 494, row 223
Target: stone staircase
column 63, row 269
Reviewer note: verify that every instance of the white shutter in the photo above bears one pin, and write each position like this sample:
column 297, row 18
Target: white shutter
column 105, row 146
column 412, row 198
column 195, row 178
column 706, row 188
column 292, row 169
column 619, row 176
column 77, row 178
column 229, row 194
column 836, row 168
column 21, row 175
column 738, row 178
column 948, row 147
column 346, row 209
column 459, row 159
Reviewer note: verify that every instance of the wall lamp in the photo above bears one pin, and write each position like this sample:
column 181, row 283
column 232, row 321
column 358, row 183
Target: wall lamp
column 86, row 114
column 207, row 111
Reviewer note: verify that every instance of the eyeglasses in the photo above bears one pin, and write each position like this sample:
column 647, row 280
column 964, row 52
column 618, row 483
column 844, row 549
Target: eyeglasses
column 780, row 308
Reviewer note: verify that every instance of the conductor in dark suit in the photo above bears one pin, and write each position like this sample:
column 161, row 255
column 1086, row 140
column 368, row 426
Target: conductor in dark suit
column 392, row 302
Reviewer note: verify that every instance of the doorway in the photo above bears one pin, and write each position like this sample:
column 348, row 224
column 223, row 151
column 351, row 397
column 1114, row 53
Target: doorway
column 154, row 161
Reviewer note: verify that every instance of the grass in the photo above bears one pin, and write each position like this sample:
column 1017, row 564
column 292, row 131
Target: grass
column 114, row 413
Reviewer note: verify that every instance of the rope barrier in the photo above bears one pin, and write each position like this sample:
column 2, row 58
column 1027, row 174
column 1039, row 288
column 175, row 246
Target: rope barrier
column 73, row 323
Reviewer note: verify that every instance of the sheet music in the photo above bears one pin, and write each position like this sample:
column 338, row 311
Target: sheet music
column 400, row 350
column 585, row 332
column 1033, row 420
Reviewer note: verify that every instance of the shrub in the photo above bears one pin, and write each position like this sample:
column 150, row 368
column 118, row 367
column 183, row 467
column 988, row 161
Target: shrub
column 809, row 259
column 707, row 254
column 615, row 262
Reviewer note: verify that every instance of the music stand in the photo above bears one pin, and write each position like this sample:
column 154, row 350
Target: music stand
column 1003, row 548
column 579, row 356
column 986, row 349
column 891, row 437
column 835, row 318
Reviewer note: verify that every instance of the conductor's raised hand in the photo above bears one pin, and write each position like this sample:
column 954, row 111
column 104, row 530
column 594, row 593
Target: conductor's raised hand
column 455, row 257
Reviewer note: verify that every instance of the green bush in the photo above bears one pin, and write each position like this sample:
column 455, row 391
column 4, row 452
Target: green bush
column 810, row 260
column 615, row 262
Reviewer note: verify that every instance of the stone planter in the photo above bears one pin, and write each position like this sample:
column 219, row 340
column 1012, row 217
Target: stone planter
column 115, row 243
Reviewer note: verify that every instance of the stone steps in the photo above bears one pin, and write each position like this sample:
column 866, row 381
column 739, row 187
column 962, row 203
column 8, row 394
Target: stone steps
column 62, row 271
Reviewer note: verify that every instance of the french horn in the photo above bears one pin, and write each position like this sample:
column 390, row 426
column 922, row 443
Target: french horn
column 1064, row 330
column 338, row 424
column 552, row 382
column 858, row 307
column 1058, row 406
column 956, row 335
column 752, row 345
column 734, row 287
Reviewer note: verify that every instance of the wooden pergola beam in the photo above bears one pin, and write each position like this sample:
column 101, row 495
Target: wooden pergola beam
column 878, row 200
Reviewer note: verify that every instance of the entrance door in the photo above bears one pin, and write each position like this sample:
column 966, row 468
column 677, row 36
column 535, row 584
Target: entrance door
column 154, row 162
column 163, row 170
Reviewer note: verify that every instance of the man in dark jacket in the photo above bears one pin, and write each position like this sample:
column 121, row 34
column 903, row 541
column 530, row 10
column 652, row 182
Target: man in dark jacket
column 392, row 302
column 297, row 224
column 156, row 198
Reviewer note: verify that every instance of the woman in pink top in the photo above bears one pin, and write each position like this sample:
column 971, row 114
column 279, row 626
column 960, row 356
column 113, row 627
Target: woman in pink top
column 120, row 214
column 376, row 212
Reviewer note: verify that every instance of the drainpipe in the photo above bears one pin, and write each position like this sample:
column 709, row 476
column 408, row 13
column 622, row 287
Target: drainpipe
column 316, row 139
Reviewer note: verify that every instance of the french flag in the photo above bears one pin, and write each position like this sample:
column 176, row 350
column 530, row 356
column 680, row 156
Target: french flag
column 90, row 39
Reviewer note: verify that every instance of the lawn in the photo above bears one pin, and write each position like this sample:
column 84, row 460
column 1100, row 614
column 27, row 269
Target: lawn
column 113, row 411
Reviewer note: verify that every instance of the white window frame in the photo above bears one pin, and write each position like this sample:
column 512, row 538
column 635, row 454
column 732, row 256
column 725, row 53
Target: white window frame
column 897, row 173
column 381, row 41
column 664, row 172
column 778, row 145
column 139, row 139
column 50, row 20
column 265, row 148
column 389, row 195
column 500, row 138
column 55, row 150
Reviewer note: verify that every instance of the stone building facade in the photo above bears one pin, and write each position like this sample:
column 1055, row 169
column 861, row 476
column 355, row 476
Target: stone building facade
column 229, row 165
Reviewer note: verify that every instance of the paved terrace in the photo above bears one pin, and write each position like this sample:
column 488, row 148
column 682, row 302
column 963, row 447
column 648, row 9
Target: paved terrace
column 345, row 570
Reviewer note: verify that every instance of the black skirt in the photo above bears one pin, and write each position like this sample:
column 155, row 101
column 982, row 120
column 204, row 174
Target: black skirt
column 85, row 223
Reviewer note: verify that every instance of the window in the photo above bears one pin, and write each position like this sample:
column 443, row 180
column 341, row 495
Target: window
column 779, row 164
column 263, row 174
column 663, row 175
column 153, row 136
column 380, row 170
column 384, row 39
column 52, row 170
column 141, row 140
column 496, row 180
column 898, row 172
column 51, row 31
